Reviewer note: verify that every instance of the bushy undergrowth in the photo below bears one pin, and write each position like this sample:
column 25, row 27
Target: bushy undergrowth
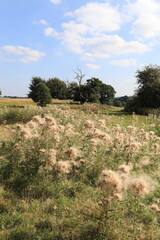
column 10, row 115
column 75, row 176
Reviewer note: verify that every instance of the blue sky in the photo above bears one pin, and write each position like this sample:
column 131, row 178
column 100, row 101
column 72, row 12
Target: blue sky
column 107, row 39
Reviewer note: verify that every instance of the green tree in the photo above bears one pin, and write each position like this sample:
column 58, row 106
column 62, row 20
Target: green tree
column 39, row 92
column 33, row 87
column 0, row 92
column 57, row 88
column 148, row 91
column 94, row 91
column 107, row 94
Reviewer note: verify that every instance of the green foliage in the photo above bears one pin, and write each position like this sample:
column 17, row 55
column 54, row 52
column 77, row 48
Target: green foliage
column 33, row 87
column 94, row 91
column 117, row 103
column 39, row 92
column 148, row 92
column 107, row 94
column 57, row 88
column 147, row 97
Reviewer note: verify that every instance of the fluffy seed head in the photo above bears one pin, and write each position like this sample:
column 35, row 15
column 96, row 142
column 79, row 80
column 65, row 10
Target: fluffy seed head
column 110, row 182
column 63, row 167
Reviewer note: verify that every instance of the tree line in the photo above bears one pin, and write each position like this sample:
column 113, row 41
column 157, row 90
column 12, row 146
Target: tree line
column 92, row 91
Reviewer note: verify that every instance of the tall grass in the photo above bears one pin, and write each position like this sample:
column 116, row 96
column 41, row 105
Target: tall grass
column 73, row 175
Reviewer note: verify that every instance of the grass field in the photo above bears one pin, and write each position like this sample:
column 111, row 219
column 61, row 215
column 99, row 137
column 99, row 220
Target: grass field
column 72, row 172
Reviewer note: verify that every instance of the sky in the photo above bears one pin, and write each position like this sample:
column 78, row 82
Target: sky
column 106, row 39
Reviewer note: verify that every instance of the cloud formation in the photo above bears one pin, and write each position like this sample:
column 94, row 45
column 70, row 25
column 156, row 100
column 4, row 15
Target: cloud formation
column 145, row 15
column 21, row 54
column 94, row 29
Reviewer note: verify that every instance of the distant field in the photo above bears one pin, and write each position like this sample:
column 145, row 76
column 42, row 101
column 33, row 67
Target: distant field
column 15, row 101
column 25, row 101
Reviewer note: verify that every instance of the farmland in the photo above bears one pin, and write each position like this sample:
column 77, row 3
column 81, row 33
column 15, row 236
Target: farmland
column 72, row 172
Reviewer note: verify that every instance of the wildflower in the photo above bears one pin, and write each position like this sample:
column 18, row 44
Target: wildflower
column 101, row 123
column 50, row 120
column 31, row 124
column 131, row 129
column 93, row 141
column 110, row 181
column 38, row 120
column 117, row 128
column 63, row 167
column 61, row 128
column 25, row 133
column 69, row 130
column 89, row 124
column 56, row 139
column 52, row 155
column 72, row 153
column 139, row 187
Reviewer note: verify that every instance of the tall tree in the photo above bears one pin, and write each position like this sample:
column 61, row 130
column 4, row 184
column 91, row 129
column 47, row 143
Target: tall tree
column 58, row 88
column 107, row 94
column 33, row 87
column 148, row 91
column 39, row 92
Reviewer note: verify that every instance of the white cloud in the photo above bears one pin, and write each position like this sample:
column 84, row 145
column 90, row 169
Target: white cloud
column 146, row 18
column 98, row 17
column 55, row 1
column 89, row 33
column 93, row 66
column 108, row 45
column 43, row 22
column 23, row 54
column 124, row 62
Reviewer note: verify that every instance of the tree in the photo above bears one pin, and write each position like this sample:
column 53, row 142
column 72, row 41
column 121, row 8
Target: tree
column 39, row 92
column 94, row 91
column 57, row 88
column 97, row 91
column 33, row 87
column 0, row 92
column 107, row 94
column 80, row 90
column 148, row 91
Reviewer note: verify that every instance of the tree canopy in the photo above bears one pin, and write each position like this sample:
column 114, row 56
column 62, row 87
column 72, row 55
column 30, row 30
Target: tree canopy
column 39, row 92
column 148, row 92
column 57, row 88
column 94, row 91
